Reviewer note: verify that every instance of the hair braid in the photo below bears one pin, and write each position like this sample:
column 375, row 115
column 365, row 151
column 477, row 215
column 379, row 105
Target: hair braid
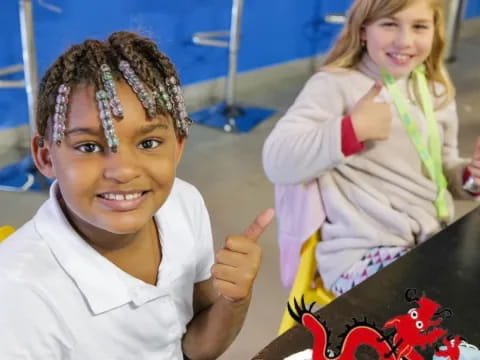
column 153, row 67
column 81, row 64
column 163, row 63
column 61, row 72
column 95, row 59
column 46, row 94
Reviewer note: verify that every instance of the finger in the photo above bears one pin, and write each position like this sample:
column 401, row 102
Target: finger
column 241, row 277
column 261, row 222
column 239, row 245
column 228, row 257
column 224, row 273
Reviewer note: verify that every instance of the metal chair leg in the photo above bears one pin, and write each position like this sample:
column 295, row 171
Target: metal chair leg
column 229, row 114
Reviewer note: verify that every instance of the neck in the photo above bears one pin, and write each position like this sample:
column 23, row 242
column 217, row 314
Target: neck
column 141, row 258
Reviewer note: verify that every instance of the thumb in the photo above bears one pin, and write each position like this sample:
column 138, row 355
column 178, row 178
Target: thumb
column 374, row 91
column 260, row 223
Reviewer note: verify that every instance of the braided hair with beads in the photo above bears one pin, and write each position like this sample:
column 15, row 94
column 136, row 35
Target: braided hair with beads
column 124, row 55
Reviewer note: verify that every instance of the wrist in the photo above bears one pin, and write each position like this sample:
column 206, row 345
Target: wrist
column 241, row 302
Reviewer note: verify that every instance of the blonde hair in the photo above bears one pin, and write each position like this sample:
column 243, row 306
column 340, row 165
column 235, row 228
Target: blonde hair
column 348, row 50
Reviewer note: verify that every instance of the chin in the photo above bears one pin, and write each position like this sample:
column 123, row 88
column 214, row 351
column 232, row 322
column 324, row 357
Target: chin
column 122, row 229
column 123, row 226
column 400, row 72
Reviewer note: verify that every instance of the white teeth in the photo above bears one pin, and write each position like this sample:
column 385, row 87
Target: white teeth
column 119, row 197
column 400, row 57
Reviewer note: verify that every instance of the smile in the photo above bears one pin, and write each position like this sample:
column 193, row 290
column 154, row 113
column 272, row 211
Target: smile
column 122, row 201
column 400, row 58
column 122, row 196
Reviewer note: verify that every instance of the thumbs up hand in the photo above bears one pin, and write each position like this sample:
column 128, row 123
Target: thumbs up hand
column 474, row 166
column 236, row 265
column 371, row 120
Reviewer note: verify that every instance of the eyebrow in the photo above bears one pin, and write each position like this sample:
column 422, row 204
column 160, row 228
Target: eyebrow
column 149, row 128
column 84, row 130
column 420, row 20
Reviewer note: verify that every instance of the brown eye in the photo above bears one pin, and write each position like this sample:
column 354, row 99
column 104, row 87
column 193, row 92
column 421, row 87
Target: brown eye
column 89, row 148
column 149, row 144
column 389, row 24
column 421, row 27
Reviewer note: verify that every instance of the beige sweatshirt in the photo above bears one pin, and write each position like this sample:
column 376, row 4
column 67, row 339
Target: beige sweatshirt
column 379, row 197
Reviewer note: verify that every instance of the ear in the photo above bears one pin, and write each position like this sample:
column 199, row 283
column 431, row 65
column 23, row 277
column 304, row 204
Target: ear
column 179, row 150
column 42, row 156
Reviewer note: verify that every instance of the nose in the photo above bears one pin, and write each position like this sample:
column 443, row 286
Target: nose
column 404, row 38
column 121, row 166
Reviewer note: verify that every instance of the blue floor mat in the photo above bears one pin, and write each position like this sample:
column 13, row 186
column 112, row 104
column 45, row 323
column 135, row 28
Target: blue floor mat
column 246, row 118
column 23, row 176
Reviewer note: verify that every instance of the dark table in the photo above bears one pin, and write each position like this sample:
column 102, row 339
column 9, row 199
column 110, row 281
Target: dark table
column 446, row 268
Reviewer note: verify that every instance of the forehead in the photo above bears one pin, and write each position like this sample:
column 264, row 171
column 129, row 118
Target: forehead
column 83, row 108
column 417, row 10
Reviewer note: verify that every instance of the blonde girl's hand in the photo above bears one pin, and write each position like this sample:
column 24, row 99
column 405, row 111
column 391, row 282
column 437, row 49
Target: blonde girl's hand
column 236, row 265
column 474, row 166
column 371, row 120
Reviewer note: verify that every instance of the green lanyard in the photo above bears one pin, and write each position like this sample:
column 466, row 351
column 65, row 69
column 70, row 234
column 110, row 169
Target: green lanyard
column 432, row 159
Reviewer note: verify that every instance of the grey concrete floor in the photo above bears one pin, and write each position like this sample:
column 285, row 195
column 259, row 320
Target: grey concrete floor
column 227, row 170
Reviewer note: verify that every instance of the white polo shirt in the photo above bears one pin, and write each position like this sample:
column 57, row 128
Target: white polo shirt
column 60, row 299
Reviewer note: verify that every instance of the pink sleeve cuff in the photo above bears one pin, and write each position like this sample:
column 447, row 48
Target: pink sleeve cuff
column 350, row 143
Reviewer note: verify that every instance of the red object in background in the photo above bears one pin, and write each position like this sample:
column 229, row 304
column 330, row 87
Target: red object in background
column 418, row 328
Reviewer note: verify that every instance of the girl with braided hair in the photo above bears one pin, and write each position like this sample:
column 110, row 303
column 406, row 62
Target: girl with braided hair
column 118, row 263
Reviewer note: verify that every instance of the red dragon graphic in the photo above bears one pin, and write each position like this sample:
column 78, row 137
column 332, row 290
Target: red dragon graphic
column 419, row 328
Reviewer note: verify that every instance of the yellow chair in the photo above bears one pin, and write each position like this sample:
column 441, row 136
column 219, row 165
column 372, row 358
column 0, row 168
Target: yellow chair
column 305, row 284
column 6, row 231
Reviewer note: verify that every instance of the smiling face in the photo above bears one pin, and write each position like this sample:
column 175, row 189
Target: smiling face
column 403, row 41
column 104, row 191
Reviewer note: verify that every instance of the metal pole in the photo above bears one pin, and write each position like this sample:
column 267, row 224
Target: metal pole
column 29, row 62
column 231, row 110
column 455, row 11
column 237, row 9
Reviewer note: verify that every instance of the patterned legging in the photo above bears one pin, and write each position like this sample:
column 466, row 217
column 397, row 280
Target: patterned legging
column 374, row 260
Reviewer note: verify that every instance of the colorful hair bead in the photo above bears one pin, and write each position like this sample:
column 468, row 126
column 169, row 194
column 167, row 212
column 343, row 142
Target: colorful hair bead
column 138, row 87
column 60, row 114
column 179, row 113
column 162, row 98
column 107, row 120
column 183, row 121
column 111, row 89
